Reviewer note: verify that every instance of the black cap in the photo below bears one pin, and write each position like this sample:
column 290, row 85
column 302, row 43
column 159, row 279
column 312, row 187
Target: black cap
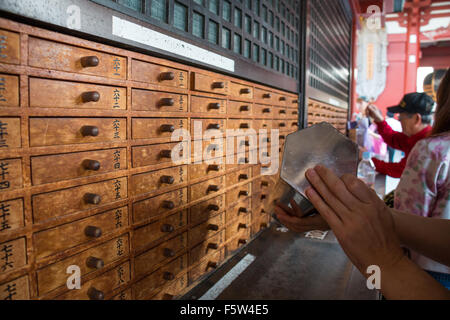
column 414, row 103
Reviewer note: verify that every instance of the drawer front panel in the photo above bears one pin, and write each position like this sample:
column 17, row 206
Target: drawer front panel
column 241, row 225
column 199, row 126
column 208, row 149
column 60, row 131
column 238, row 210
column 241, row 91
column 208, row 105
column 206, row 230
column 18, row 289
column 10, row 174
column 58, row 56
column 209, row 246
column 69, row 235
column 9, row 89
column 72, row 95
column 172, row 269
column 237, row 194
column 239, row 176
column 206, row 188
column 150, row 128
column 158, row 154
column 209, row 264
column 145, row 100
column 157, row 180
column 172, row 289
column 10, row 133
column 68, row 201
column 213, row 166
column 10, row 47
column 206, row 209
column 11, row 215
column 210, row 84
column 240, row 108
column 159, row 75
column 148, row 285
column 238, row 241
column 46, row 169
column 264, row 110
column 13, row 255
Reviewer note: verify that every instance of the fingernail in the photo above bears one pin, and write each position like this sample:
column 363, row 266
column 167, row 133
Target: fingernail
column 310, row 173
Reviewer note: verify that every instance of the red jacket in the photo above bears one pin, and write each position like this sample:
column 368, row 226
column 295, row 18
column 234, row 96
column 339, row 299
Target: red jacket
column 399, row 141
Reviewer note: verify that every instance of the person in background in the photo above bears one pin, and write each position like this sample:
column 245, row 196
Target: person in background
column 396, row 126
column 415, row 111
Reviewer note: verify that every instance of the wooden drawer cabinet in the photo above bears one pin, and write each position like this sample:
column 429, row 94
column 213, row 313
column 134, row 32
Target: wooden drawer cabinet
column 10, row 47
column 53, row 276
column 10, row 174
column 157, row 180
column 9, row 89
column 156, row 101
column 208, row 105
column 212, row 245
column 239, row 108
column 10, row 136
column 60, row 131
column 11, row 215
column 158, row 75
column 72, row 234
column 13, row 255
column 209, row 263
column 151, row 128
column 17, row 289
column 58, row 56
column 47, row 169
column 206, row 229
column 206, row 209
column 206, row 83
column 203, row 189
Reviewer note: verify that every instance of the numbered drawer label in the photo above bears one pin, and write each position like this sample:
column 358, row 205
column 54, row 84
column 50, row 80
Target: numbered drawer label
column 18, row 289
column 9, row 47
column 159, row 75
column 157, row 180
column 13, row 255
column 11, row 215
column 10, row 133
column 9, row 90
column 145, row 100
column 10, row 174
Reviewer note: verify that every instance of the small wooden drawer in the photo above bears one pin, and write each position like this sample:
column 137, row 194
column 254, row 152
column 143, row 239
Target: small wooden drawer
column 281, row 99
column 53, row 168
column 238, row 210
column 58, row 56
column 239, row 108
column 11, row 215
column 201, row 125
column 97, row 288
column 73, row 95
column 209, row 246
column 206, row 168
column 150, row 128
column 144, row 236
column 156, row 206
column 159, row 75
column 9, row 47
column 238, row 226
column 10, row 174
column 13, row 255
column 174, row 268
column 124, row 295
column 60, row 131
column 262, row 184
column 64, row 202
column 208, row 105
column 292, row 103
column 206, row 209
column 260, row 224
column 206, row 229
column 264, row 95
column 72, row 234
column 241, row 91
column 172, row 289
column 206, row 188
column 208, row 149
column 243, row 125
column 293, row 113
column 147, row 286
column 262, row 110
column 242, row 144
column 158, row 153
column 210, row 84
column 280, row 112
column 53, row 276
column 210, row 263
column 236, row 194
column 17, row 289
column 157, row 101
column 9, row 88
column 281, row 125
column 263, row 124
column 10, row 133
column 238, row 160
column 238, row 176
column 157, row 180
column 150, row 259
column 237, row 242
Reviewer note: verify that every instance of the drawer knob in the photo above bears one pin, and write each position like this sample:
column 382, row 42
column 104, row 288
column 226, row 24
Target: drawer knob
column 267, row 96
column 93, row 165
column 90, row 96
column 282, row 98
column 167, row 128
column 168, row 276
column 294, row 112
column 215, row 106
column 167, row 204
column 268, row 140
column 263, row 211
column 214, row 126
column 266, row 110
column 95, row 294
column 167, row 76
column 218, row 85
column 213, row 246
column 282, row 137
column 213, row 188
column 294, row 101
column 89, row 131
column 264, row 183
column 244, row 126
column 242, row 209
column 213, row 207
column 282, row 124
column 245, row 143
column 167, row 228
column 263, row 196
column 244, row 108
column 166, row 102
column 242, row 241
column 92, row 198
column 94, row 263
column 245, row 91
column 282, row 111
column 165, row 154
column 242, row 226
column 93, row 232
column 213, row 227
column 90, row 61
column 243, row 176
column 167, row 179
column 213, row 167
column 263, row 225
column 243, row 193
column 168, row 253
column 294, row 124
column 212, row 264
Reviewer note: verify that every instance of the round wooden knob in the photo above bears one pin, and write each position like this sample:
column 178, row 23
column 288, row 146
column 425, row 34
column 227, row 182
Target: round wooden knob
column 213, row 227
column 282, row 98
column 165, row 153
column 245, row 91
column 282, row 111
column 167, row 76
column 264, row 183
column 294, row 124
column 89, row 131
column 92, row 198
column 213, row 188
column 218, row 85
column 294, row 101
column 263, row 211
column 93, row 165
column 263, row 196
column 166, row 102
column 95, row 294
column 166, row 204
column 212, row 264
column 167, row 228
column 167, row 128
column 242, row 241
column 213, row 167
column 167, row 179
column 215, row 106
column 214, row 126
column 282, row 124
column 294, row 112
column 244, row 126
column 242, row 226
column 91, row 61
column 90, row 96
column 213, row 246
column 168, row 276
column 243, row 193
column 213, row 207
column 268, row 140
column 243, row 176
column 246, row 143
column 242, row 209
column 267, row 96
column 282, row 137
column 93, row 232
column 168, row 253
column 266, row 110
column 94, row 263
column 244, row 108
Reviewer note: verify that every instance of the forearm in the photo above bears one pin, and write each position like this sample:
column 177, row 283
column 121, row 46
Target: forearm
column 430, row 237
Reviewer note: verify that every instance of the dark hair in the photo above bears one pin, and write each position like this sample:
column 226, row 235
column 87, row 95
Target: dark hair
column 442, row 115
